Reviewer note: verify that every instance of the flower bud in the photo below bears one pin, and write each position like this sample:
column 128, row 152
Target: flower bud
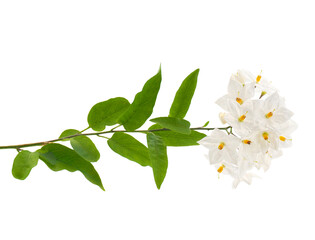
column 222, row 117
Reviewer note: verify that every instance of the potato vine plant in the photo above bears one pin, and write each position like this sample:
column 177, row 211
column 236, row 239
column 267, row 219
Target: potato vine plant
column 260, row 127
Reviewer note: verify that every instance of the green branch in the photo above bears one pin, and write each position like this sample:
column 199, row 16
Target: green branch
column 19, row 146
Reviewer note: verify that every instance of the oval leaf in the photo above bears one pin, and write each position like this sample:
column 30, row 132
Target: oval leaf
column 158, row 157
column 58, row 157
column 23, row 164
column 175, row 124
column 142, row 106
column 175, row 139
column 82, row 145
column 67, row 133
column 184, row 95
column 107, row 113
column 85, row 148
column 130, row 148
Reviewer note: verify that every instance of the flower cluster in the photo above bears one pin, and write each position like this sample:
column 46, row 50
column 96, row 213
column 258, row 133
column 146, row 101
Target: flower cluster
column 261, row 126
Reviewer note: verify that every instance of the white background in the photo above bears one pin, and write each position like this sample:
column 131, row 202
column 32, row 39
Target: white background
column 59, row 58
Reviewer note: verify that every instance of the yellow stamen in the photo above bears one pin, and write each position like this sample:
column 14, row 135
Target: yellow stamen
column 258, row 78
column 265, row 136
column 247, row 142
column 242, row 118
column 239, row 100
column 282, row 138
column 220, row 147
column 220, row 169
column 269, row 115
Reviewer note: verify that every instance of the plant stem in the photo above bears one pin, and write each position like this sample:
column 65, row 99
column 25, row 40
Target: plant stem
column 19, row 146
column 84, row 129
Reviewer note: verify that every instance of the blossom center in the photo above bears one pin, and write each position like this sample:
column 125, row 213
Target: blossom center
column 269, row 115
column 282, row 138
column 221, row 146
column 265, row 135
column 239, row 100
column 247, row 141
column 258, row 78
column 220, row 169
column 242, row 118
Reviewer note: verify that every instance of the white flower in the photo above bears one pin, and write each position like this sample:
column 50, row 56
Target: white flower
column 263, row 86
column 267, row 138
column 249, row 148
column 227, row 169
column 237, row 92
column 243, row 76
column 222, row 147
column 285, row 131
column 243, row 173
column 271, row 112
column 263, row 159
column 240, row 117
column 261, row 127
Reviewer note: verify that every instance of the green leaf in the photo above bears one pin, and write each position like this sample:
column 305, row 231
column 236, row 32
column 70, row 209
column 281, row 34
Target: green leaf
column 23, row 164
column 158, row 157
column 175, row 139
column 206, row 124
column 175, row 124
column 107, row 113
column 67, row 133
column 85, row 148
column 142, row 106
column 58, row 157
column 184, row 95
column 82, row 145
column 130, row 148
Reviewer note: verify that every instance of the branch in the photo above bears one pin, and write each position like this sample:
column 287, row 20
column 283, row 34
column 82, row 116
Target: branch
column 19, row 146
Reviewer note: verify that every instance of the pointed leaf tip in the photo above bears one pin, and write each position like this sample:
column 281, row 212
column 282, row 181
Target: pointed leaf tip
column 184, row 96
column 142, row 106
column 59, row 157
column 158, row 157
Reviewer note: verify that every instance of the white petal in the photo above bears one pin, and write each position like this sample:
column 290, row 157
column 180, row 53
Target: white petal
column 272, row 102
column 245, row 76
column 274, row 142
column 223, row 102
column 234, row 88
column 208, row 141
column 215, row 137
column 215, row 156
column 288, row 127
column 282, row 115
column 232, row 141
column 230, row 156
column 218, row 134
column 236, row 182
column 234, row 109
column 249, row 91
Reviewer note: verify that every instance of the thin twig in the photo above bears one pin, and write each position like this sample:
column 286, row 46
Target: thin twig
column 20, row 146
